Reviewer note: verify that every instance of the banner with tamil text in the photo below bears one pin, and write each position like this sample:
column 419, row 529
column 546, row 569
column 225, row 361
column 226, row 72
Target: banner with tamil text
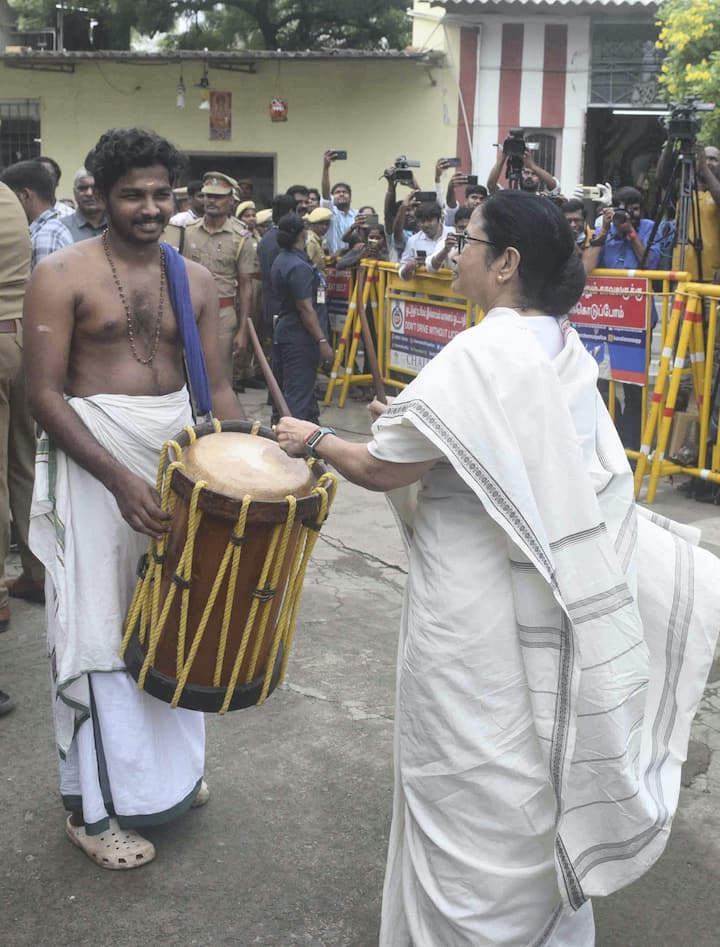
column 612, row 318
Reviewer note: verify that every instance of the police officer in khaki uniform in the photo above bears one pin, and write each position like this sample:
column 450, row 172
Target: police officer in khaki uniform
column 318, row 225
column 220, row 243
column 17, row 430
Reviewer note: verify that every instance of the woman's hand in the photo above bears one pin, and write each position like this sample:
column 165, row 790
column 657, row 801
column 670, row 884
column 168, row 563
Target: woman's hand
column 377, row 408
column 291, row 434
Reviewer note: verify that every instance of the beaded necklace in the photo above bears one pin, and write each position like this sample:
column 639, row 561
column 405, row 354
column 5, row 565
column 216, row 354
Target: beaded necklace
column 128, row 315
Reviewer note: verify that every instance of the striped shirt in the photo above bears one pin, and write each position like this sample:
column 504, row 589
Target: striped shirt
column 47, row 234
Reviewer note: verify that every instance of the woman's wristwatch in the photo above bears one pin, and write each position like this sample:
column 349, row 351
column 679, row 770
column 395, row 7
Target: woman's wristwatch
column 314, row 438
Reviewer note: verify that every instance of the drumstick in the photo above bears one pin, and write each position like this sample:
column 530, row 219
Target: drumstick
column 273, row 387
column 378, row 383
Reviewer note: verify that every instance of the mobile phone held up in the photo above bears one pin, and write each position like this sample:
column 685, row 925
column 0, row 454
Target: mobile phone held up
column 453, row 162
column 339, row 155
column 426, row 197
column 591, row 193
column 471, row 179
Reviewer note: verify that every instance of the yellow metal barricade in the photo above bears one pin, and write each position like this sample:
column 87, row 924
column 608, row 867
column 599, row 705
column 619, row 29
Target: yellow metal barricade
column 440, row 312
column 687, row 346
column 692, row 336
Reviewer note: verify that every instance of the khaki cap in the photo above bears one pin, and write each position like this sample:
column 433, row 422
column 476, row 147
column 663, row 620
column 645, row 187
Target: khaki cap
column 264, row 216
column 215, row 182
column 242, row 207
column 319, row 215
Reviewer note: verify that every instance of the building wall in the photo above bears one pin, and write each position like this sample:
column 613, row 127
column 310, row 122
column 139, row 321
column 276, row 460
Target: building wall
column 374, row 109
column 528, row 71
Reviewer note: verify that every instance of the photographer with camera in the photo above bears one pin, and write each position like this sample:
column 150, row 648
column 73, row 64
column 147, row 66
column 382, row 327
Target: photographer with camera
column 430, row 241
column 337, row 199
column 475, row 194
column 399, row 216
column 520, row 169
column 707, row 177
column 620, row 241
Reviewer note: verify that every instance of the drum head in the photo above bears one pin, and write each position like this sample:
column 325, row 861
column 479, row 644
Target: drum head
column 235, row 464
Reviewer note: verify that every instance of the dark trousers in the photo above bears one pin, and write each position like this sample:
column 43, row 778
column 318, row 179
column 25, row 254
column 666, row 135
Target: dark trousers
column 296, row 357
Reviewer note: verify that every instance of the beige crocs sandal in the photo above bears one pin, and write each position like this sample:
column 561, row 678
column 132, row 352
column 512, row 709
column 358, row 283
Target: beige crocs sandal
column 202, row 796
column 117, row 849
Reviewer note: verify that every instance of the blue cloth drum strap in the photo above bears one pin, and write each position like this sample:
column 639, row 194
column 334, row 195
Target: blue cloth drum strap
column 179, row 292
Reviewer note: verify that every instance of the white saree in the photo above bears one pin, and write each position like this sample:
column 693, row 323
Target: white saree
column 553, row 650
column 122, row 752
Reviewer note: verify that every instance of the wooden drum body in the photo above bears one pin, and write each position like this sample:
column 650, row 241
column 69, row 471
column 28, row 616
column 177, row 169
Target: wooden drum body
column 211, row 622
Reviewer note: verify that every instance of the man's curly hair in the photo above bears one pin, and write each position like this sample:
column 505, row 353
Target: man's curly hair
column 121, row 149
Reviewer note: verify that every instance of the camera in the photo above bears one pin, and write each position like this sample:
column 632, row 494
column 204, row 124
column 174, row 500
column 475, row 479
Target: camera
column 402, row 169
column 514, row 145
column 620, row 217
column 339, row 155
column 683, row 122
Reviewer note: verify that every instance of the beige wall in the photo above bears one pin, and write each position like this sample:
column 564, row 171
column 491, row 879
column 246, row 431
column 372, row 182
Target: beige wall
column 376, row 110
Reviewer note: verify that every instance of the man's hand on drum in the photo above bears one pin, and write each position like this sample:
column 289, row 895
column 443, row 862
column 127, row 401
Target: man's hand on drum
column 291, row 434
column 139, row 504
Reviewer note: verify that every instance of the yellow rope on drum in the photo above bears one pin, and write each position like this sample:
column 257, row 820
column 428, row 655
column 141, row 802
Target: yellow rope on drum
column 326, row 487
column 274, row 581
column 155, row 555
column 232, row 551
column 182, row 576
column 279, row 564
column 250, row 620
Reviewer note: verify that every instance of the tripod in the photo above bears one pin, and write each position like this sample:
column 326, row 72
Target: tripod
column 683, row 177
column 513, row 171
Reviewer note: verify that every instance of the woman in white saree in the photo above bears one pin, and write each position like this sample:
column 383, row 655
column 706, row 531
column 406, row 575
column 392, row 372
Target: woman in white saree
column 545, row 690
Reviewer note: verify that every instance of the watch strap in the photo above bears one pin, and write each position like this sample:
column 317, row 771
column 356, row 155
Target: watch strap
column 314, row 439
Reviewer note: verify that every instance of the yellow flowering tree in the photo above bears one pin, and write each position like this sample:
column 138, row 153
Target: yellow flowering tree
column 690, row 41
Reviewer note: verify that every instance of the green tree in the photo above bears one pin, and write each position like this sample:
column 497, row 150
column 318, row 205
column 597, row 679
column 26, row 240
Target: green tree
column 690, row 40
column 247, row 24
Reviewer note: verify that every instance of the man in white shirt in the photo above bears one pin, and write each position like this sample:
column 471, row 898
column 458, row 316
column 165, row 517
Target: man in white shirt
column 196, row 209
column 53, row 168
column 338, row 200
column 433, row 238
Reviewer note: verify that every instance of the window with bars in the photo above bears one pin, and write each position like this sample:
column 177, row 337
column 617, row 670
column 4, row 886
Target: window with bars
column 19, row 130
column 545, row 154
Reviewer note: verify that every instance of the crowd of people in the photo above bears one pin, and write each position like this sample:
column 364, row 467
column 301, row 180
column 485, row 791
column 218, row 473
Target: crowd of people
column 522, row 478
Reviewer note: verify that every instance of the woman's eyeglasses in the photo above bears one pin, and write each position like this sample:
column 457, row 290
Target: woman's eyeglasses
column 462, row 239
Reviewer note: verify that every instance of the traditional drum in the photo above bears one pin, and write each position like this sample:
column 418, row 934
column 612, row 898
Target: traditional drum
column 211, row 622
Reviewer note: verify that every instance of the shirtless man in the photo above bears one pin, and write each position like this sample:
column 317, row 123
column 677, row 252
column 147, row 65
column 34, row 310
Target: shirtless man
column 106, row 384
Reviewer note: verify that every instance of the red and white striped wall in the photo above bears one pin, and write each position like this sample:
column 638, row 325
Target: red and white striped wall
column 531, row 73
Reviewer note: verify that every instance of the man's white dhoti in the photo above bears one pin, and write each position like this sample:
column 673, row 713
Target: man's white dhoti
column 123, row 753
column 549, row 664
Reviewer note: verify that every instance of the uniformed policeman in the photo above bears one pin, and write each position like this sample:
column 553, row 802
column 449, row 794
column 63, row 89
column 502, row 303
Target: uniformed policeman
column 220, row 243
column 318, row 221
column 318, row 226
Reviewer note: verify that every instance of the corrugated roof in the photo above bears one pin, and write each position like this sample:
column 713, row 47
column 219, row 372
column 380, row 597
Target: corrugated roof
column 239, row 57
column 650, row 4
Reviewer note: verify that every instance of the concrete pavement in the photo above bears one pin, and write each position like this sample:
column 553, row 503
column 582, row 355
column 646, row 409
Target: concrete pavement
column 290, row 850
